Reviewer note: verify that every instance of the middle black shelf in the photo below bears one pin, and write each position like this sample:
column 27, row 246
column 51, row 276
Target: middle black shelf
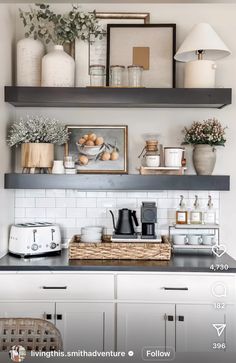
column 131, row 182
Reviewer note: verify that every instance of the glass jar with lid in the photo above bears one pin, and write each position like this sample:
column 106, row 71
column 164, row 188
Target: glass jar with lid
column 135, row 74
column 97, row 75
column 117, row 75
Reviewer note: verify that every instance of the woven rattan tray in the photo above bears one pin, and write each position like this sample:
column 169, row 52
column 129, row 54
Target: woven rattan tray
column 107, row 250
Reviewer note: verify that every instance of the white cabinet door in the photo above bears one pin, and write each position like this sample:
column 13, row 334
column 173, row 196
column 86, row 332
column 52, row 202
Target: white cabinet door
column 195, row 331
column 42, row 310
column 86, row 326
column 145, row 325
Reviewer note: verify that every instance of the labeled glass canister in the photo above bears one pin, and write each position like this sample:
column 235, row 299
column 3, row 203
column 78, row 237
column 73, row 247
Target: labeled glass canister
column 117, row 75
column 135, row 74
column 97, row 75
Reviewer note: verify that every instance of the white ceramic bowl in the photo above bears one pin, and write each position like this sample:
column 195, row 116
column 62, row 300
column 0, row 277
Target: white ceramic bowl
column 90, row 151
column 91, row 229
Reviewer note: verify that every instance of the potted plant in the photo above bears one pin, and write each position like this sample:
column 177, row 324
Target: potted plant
column 58, row 67
column 205, row 136
column 37, row 136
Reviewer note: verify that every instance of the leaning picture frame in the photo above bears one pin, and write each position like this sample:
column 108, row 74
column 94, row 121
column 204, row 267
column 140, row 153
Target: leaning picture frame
column 151, row 46
column 98, row 47
column 98, row 149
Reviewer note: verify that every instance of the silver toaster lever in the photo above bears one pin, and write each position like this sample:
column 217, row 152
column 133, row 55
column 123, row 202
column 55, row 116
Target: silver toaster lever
column 53, row 231
column 34, row 233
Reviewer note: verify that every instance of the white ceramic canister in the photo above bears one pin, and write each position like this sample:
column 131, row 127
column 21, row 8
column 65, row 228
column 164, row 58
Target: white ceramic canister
column 152, row 160
column 58, row 69
column 173, row 156
column 29, row 59
column 58, row 167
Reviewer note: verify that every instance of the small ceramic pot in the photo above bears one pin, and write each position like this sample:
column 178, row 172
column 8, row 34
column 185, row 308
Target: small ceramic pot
column 204, row 159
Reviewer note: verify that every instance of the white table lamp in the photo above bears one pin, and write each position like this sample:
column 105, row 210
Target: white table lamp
column 199, row 50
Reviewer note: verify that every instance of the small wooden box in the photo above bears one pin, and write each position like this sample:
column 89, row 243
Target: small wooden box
column 108, row 250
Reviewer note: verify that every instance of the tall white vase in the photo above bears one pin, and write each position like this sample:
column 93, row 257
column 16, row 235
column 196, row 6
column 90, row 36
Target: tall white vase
column 58, row 69
column 29, row 59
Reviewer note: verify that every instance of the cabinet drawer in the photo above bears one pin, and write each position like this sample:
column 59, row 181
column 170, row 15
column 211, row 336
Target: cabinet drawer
column 176, row 287
column 56, row 287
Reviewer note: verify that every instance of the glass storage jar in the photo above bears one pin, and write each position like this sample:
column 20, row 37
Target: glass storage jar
column 135, row 75
column 117, row 75
column 97, row 75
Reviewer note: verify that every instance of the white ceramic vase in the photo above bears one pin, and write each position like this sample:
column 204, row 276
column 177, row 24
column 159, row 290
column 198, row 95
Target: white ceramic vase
column 204, row 159
column 29, row 59
column 58, row 69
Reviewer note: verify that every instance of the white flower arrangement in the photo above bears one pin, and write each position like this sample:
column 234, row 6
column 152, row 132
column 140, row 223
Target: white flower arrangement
column 37, row 129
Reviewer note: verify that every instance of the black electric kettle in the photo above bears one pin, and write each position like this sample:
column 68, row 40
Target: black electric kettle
column 125, row 223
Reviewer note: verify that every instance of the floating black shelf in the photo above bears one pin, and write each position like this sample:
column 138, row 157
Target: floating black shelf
column 117, row 182
column 118, row 97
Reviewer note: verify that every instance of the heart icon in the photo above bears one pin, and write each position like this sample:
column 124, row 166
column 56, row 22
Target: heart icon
column 219, row 251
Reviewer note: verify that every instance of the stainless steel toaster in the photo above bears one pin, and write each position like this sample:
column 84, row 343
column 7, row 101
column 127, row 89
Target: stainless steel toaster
column 31, row 239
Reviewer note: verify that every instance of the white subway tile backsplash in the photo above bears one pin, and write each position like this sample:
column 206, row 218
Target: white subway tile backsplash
column 76, row 212
column 86, row 202
column 66, row 202
column 24, row 202
column 66, row 222
column 126, row 203
column 35, row 212
column 19, row 212
column 96, row 194
column 45, row 202
column 58, row 193
column 155, row 195
column 96, row 213
column 55, row 212
column 106, row 203
column 34, row 193
column 71, row 193
column 74, row 209
column 117, row 195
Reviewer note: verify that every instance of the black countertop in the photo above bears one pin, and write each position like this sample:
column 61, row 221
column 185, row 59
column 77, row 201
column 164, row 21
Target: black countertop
column 178, row 263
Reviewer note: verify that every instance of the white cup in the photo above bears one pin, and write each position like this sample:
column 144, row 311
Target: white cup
column 194, row 239
column 208, row 239
column 152, row 160
column 58, row 167
column 180, row 239
column 173, row 156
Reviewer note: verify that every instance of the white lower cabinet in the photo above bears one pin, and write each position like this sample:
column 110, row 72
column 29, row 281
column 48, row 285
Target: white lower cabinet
column 145, row 325
column 127, row 311
column 86, row 326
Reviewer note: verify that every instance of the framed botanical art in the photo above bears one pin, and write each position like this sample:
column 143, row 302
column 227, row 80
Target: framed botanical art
column 151, row 46
column 99, row 149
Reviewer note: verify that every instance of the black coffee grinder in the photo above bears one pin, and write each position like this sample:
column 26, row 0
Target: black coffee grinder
column 148, row 219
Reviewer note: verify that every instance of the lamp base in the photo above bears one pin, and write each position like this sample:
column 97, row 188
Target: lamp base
column 200, row 74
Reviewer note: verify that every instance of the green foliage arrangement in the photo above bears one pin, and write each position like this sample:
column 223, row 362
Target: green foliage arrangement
column 41, row 22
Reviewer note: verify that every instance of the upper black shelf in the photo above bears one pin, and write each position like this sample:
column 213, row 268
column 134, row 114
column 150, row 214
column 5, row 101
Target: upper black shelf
column 118, row 97
column 117, row 182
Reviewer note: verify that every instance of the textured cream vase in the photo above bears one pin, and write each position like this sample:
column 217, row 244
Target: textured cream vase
column 204, row 159
column 58, row 69
column 29, row 60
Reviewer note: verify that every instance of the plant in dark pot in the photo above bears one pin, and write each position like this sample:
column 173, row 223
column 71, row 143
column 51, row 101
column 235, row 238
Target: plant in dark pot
column 205, row 136
column 37, row 136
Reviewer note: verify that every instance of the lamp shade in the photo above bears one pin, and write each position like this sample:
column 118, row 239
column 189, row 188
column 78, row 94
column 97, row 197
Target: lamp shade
column 202, row 37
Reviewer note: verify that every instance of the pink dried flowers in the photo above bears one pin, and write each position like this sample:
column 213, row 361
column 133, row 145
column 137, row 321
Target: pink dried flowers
column 209, row 132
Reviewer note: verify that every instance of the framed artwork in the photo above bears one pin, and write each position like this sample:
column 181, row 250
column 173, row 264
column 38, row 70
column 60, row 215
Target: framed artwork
column 99, row 149
column 152, row 46
column 98, row 47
